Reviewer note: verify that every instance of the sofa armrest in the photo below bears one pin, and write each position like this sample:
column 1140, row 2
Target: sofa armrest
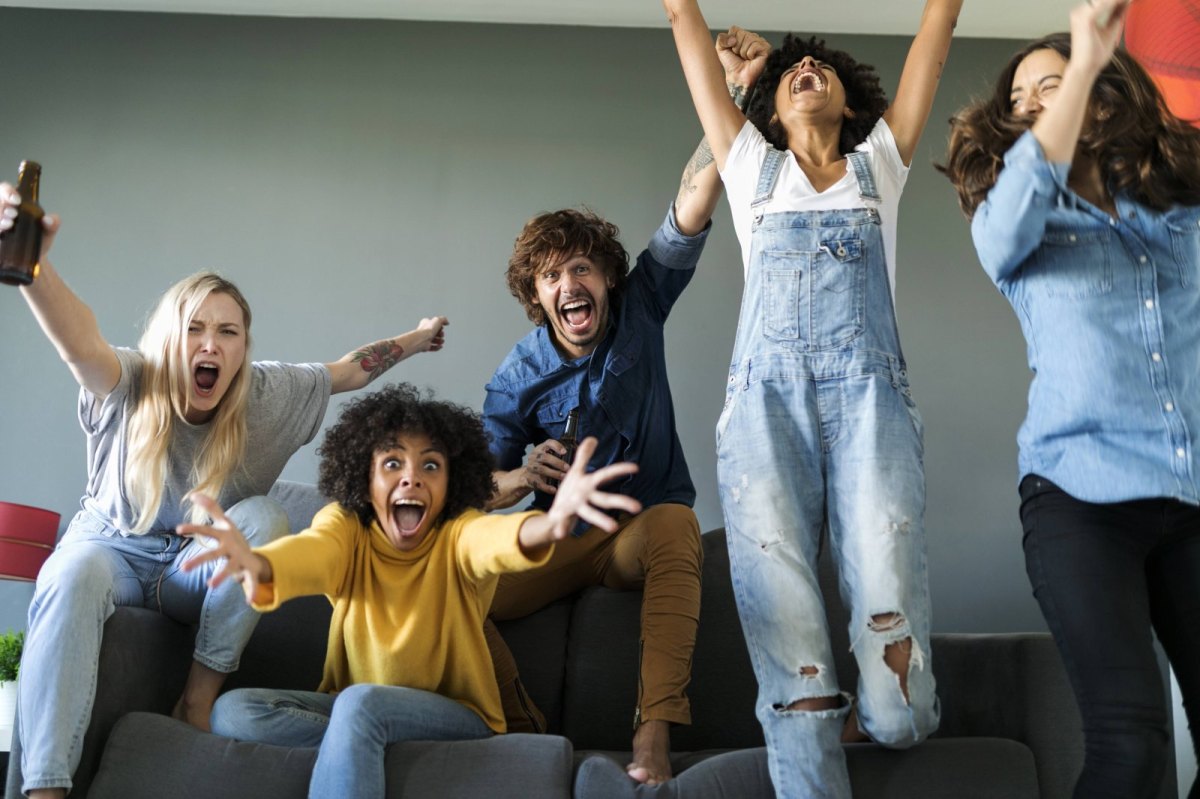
column 144, row 661
column 1012, row 686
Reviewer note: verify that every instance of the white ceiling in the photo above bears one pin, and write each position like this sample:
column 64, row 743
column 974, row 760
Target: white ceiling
column 1000, row 18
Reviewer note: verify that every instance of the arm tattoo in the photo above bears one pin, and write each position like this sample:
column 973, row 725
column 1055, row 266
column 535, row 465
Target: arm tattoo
column 699, row 162
column 377, row 358
column 741, row 97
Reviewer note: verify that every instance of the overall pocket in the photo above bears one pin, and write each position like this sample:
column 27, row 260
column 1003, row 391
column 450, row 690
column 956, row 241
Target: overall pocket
column 814, row 299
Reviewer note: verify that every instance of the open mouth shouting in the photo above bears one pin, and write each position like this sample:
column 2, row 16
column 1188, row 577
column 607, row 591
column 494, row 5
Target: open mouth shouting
column 578, row 315
column 408, row 518
column 204, row 378
column 808, row 80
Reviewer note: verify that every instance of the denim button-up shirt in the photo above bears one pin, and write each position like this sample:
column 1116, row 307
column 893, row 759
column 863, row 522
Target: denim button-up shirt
column 1110, row 308
column 621, row 387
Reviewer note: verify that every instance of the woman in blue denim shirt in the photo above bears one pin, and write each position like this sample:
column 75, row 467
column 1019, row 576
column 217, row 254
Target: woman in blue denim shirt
column 1090, row 226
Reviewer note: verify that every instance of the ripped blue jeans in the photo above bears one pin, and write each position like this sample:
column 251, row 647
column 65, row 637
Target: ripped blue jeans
column 799, row 450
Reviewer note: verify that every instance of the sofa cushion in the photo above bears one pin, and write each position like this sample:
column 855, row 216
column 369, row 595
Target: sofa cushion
column 981, row 768
column 149, row 755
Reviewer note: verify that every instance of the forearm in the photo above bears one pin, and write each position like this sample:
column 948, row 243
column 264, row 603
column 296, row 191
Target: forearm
column 536, row 533
column 1059, row 125
column 700, row 186
column 356, row 369
column 511, row 488
column 720, row 118
column 72, row 328
column 923, row 67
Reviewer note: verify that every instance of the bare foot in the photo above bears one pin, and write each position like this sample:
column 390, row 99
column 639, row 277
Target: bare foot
column 195, row 715
column 651, row 753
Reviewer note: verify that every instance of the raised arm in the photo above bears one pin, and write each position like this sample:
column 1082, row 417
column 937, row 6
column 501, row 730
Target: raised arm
column 743, row 55
column 922, row 70
column 1095, row 34
column 65, row 319
column 719, row 117
column 356, row 369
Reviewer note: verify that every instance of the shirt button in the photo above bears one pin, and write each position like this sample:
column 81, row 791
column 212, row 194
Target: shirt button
column 1141, row 259
column 1149, row 303
column 1071, row 237
column 1133, row 214
column 1154, row 356
column 1170, row 406
column 1180, row 452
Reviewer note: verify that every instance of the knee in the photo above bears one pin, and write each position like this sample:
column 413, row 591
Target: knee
column 261, row 519
column 234, row 714
column 1142, row 751
column 356, row 703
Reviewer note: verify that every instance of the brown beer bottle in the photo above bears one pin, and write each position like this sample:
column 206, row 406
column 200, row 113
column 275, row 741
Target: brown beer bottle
column 570, row 436
column 21, row 244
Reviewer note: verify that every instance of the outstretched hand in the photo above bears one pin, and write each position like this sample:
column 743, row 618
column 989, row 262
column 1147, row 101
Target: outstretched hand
column 579, row 497
column 241, row 563
column 9, row 201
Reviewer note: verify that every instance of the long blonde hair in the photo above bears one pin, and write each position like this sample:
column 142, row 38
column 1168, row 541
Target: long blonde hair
column 162, row 400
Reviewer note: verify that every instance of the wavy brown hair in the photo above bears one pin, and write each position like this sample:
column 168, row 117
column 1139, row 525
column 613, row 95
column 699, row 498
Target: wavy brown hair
column 864, row 96
column 373, row 421
column 552, row 237
column 1142, row 148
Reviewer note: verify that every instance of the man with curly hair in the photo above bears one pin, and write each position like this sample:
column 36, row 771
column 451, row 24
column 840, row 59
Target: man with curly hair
column 598, row 351
column 410, row 564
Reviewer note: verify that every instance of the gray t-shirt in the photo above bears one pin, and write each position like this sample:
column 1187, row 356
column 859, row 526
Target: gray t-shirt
column 286, row 406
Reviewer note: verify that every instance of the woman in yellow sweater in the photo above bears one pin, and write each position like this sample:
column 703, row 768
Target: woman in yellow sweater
column 410, row 566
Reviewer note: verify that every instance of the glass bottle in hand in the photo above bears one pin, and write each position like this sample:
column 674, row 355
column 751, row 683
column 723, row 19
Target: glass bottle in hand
column 21, row 244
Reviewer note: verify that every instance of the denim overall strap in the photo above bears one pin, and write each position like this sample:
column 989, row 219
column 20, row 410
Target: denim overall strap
column 768, row 176
column 866, row 179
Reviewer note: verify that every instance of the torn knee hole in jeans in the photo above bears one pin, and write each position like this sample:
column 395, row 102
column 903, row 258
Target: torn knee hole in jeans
column 812, row 704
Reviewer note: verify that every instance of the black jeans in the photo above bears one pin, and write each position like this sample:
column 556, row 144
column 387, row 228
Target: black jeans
column 1105, row 575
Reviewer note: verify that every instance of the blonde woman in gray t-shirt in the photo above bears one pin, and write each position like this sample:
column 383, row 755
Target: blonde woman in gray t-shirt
column 185, row 411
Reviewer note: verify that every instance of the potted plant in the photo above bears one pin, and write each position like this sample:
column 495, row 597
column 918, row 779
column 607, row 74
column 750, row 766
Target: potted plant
column 11, row 645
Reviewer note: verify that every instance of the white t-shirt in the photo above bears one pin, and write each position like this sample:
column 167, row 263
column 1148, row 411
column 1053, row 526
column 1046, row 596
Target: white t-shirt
column 793, row 192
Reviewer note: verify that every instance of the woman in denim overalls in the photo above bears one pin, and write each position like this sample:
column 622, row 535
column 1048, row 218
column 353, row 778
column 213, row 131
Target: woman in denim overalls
column 1090, row 227
column 819, row 427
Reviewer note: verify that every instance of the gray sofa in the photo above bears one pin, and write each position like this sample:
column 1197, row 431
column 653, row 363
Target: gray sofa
column 1009, row 722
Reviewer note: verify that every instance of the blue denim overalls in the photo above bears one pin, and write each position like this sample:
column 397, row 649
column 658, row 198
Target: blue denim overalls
column 819, row 427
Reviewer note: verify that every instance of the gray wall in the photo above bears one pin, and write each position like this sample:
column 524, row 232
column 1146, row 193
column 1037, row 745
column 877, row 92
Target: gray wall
column 353, row 176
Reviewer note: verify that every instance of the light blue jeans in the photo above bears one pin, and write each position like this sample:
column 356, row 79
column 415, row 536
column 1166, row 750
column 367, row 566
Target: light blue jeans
column 352, row 728
column 820, row 431
column 92, row 571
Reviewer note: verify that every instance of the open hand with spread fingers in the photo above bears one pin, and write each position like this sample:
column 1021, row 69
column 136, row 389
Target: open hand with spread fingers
column 579, row 497
column 241, row 562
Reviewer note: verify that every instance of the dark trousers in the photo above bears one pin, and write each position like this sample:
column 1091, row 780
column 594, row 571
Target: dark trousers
column 1108, row 577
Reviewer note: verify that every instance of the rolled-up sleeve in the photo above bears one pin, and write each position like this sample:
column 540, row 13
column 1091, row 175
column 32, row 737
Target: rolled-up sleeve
column 1010, row 223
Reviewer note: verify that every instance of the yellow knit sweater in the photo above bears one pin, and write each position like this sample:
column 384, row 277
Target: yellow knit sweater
column 403, row 618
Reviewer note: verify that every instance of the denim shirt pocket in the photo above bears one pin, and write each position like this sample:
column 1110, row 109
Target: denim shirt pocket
column 1072, row 264
column 552, row 414
column 1184, row 224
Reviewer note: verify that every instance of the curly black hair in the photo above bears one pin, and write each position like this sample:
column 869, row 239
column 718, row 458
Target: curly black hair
column 372, row 422
column 864, row 96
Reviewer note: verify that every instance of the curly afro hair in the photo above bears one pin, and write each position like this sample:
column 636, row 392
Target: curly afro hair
column 372, row 422
column 863, row 94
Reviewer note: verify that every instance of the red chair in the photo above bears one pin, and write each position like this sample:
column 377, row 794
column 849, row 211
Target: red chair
column 27, row 538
